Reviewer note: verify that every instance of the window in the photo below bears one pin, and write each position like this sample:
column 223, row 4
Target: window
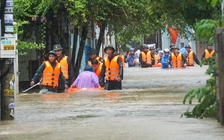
column 182, row 45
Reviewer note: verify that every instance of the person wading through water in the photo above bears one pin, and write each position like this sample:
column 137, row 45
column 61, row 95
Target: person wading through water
column 66, row 68
column 145, row 58
column 112, row 70
column 50, row 72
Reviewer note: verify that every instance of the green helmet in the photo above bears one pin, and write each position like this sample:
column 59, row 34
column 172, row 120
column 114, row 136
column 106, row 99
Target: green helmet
column 145, row 46
column 152, row 48
column 174, row 48
column 52, row 52
column 57, row 47
column 109, row 46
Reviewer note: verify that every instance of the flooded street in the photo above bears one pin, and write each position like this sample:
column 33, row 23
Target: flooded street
column 148, row 108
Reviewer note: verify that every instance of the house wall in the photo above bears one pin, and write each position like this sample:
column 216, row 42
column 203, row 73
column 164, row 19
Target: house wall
column 181, row 42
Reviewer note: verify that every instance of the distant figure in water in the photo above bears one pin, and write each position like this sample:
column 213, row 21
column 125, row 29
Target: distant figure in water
column 86, row 79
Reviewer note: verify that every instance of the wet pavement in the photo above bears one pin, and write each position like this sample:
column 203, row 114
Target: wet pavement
column 148, row 108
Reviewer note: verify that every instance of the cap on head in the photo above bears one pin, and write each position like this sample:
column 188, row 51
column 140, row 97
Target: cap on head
column 152, row 48
column 132, row 49
column 57, row 47
column 92, row 51
column 166, row 50
column 109, row 47
column 145, row 47
column 188, row 46
column 160, row 52
column 171, row 46
column 175, row 48
column 52, row 52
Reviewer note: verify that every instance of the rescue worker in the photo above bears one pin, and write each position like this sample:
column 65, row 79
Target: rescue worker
column 66, row 67
column 86, row 79
column 177, row 59
column 122, row 58
column 166, row 59
column 112, row 70
column 145, row 58
column 157, row 51
column 208, row 53
column 131, row 58
column 191, row 57
column 154, row 56
column 160, row 56
column 51, row 73
column 171, row 47
column 93, row 55
column 97, row 67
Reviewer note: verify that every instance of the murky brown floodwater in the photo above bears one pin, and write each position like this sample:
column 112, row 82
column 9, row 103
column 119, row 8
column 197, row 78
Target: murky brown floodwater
column 148, row 108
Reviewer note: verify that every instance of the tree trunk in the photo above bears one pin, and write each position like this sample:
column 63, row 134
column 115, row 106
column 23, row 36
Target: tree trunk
column 81, row 48
column 100, row 39
column 74, row 46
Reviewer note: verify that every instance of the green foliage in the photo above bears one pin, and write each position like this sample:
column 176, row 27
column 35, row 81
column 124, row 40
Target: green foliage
column 206, row 95
column 22, row 46
column 214, row 2
column 205, row 28
column 32, row 21
column 127, row 19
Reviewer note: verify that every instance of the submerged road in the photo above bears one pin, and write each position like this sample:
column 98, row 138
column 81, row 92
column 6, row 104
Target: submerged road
column 148, row 108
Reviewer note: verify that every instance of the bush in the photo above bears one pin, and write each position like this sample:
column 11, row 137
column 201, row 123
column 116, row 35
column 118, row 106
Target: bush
column 205, row 95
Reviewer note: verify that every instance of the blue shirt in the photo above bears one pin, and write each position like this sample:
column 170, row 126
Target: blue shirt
column 165, row 60
column 183, row 51
column 130, row 60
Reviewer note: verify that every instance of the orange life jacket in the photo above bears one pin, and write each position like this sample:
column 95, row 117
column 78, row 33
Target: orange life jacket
column 156, row 59
column 209, row 54
column 99, row 69
column 112, row 68
column 176, row 60
column 50, row 76
column 147, row 57
column 190, row 59
column 64, row 66
column 97, row 58
column 122, row 59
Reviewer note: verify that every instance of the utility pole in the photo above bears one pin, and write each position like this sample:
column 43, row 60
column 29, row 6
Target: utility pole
column 8, row 61
column 219, row 57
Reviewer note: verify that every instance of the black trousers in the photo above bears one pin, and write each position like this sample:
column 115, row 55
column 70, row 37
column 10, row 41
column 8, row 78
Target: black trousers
column 113, row 85
column 61, row 86
column 145, row 66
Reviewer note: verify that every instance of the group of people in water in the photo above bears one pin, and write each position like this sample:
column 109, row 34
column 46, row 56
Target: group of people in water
column 168, row 58
column 57, row 73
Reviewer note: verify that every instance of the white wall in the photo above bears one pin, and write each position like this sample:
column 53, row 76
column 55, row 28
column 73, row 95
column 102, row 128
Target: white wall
column 166, row 41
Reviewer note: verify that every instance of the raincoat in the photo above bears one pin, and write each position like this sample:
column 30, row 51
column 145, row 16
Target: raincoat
column 130, row 60
column 87, row 79
column 165, row 61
